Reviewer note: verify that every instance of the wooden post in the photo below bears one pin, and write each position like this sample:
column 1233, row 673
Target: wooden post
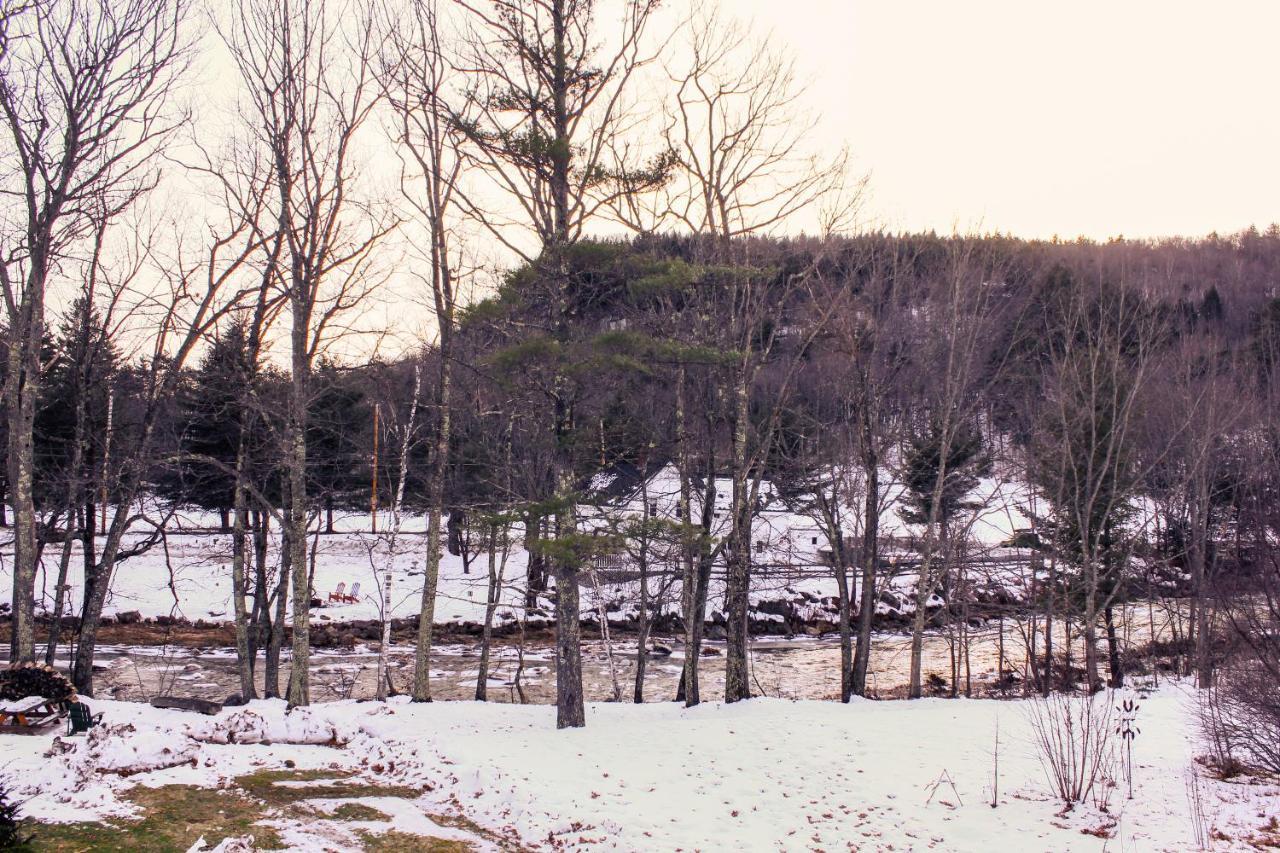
column 373, row 492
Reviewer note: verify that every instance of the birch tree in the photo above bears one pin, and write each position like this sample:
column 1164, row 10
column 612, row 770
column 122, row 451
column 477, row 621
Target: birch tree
column 87, row 94
column 426, row 125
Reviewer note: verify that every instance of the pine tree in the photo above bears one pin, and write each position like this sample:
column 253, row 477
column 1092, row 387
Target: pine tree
column 339, row 441
column 209, row 422
column 82, row 366
column 11, row 836
column 966, row 463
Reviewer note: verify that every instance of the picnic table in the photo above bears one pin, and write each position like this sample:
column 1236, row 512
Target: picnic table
column 29, row 715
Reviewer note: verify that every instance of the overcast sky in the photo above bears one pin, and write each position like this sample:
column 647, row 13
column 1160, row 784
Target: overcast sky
column 1097, row 117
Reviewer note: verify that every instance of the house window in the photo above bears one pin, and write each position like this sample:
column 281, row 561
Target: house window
column 759, row 547
column 653, row 508
column 814, row 540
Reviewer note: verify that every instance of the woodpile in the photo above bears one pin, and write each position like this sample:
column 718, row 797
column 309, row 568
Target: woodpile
column 31, row 679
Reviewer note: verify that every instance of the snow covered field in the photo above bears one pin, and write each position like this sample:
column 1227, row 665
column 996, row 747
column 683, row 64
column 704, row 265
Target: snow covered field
column 761, row 775
column 188, row 574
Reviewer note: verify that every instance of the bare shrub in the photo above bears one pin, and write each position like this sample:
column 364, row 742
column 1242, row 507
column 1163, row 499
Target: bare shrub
column 1240, row 719
column 1073, row 738
column 1200, row 825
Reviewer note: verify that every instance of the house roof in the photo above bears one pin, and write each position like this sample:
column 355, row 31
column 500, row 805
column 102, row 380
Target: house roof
column 620, row 482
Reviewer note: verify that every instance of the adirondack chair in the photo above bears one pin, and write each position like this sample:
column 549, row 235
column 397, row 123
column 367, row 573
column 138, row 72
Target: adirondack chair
column 339, row 593
column 80, row 718
column 354, row 596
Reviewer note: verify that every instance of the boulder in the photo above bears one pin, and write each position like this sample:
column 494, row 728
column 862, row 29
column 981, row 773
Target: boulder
column 184, row 703
column 129, row 617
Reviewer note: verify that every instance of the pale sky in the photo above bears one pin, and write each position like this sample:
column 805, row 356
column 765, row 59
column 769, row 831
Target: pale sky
column 1142, row 118
column 1095, row 117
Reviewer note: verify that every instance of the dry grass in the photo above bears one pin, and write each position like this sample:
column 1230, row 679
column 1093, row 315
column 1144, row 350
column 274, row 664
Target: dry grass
column 174, row 817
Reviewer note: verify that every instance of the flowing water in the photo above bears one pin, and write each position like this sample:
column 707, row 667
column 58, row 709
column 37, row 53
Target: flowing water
column 799, row 668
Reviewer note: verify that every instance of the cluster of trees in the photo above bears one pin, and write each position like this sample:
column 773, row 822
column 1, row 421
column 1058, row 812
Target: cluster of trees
column 198, row 367
column 1131, row 408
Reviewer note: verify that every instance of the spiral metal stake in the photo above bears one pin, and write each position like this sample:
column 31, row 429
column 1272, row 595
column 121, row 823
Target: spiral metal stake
column 1128, row 730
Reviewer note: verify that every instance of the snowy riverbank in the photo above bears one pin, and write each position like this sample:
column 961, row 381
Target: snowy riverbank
column 762, row 775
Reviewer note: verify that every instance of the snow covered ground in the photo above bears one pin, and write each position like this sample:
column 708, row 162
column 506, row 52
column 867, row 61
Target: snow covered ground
column 760, row 775
column 188, row 574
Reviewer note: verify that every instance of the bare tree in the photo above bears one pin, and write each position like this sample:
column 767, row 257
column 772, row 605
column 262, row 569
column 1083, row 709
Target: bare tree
column 944, row 454
column 93, row 325
column 737, row 130
column 391, row 538
column 86, row 90
column 1088, row 464
column 415, row 75
column 1191, row 420
column 738, row 139
column 871, row 333
column 307, row 67
column 196, row 289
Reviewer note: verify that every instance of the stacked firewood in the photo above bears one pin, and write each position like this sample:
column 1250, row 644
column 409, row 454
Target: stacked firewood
column 30, row 679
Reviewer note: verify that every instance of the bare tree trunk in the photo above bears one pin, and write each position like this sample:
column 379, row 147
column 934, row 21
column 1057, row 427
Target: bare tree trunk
column 435, row 492
column 75, row 468
column 702, row 584
column 275, row 640
column 497, row 568
column 1113, row 649
column 915, row 682
column 684, row 509
column 738, row 557
column 536, row 574
column 239, row 548
column 642, row 632
column 870, row 557
column 840, row 562
column 926, row 585
column 1089, row 631
column 60, row 590
column 261, row 617
column 1199, row 578
column 22, row 384
column 296, row 509
column 1047, row 687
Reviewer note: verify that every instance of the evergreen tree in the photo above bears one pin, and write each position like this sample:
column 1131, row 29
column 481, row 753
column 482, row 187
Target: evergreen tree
column 12, row 837
column 1211, row 306
column 82, row 367
column 962, row 465
column 339, row 441
column 208, row 418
